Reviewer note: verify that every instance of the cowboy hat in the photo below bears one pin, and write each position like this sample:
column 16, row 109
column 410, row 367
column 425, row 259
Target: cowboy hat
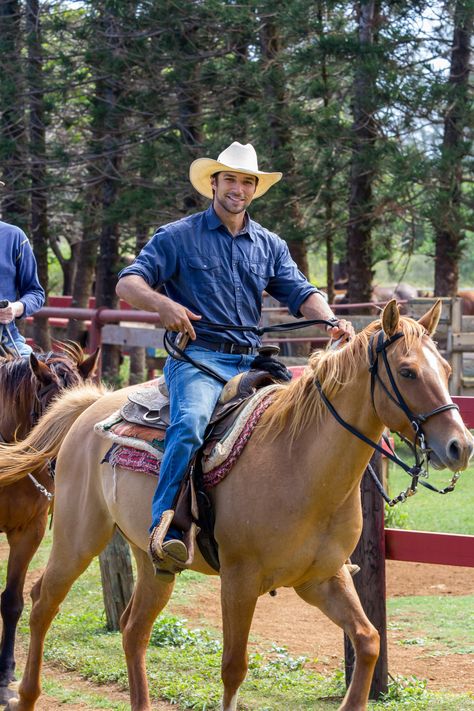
column 235, row 159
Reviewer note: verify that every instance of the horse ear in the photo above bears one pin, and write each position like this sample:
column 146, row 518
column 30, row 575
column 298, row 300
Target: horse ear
column 88, row 365
column 431, row 318
column 390, row 318
column 40, row 370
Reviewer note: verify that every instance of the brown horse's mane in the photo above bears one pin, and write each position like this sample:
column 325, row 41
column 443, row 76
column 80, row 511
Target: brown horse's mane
column 18, row 383
column 296, row 404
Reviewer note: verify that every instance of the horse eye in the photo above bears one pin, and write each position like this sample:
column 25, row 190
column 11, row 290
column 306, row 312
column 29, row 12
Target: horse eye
column 408, row 373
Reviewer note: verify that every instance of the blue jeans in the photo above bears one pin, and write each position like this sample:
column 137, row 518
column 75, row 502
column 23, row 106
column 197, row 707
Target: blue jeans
column 193, row 396
column 11, row 339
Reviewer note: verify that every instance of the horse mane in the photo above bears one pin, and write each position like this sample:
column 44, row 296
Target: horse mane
column 296, row 404
column 18, row 382
column 44, row 440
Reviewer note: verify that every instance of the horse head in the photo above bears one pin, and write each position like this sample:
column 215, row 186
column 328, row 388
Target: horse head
column 55, row 371
column 410, row 387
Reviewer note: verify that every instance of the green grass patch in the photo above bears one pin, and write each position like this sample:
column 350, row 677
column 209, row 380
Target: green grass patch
column 184, row 662
column 441, row 625
column 428, row 511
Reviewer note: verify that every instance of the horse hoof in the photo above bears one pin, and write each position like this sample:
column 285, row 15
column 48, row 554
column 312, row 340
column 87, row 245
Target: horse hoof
column 8, row 696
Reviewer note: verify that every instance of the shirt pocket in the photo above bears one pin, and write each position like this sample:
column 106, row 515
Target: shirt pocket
column 260, row 274
column 204, row 274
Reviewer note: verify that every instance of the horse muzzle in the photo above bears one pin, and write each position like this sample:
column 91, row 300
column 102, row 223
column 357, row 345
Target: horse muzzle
column 453, row 454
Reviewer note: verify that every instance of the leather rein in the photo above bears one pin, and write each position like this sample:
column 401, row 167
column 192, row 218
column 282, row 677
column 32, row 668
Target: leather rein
column 378, row 345
column 173, row 349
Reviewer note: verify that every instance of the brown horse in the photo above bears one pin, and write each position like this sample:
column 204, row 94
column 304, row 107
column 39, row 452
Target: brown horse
column 289, row 514
column 26, row 389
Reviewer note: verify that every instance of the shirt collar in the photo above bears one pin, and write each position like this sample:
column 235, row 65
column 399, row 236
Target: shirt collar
column 214, row 222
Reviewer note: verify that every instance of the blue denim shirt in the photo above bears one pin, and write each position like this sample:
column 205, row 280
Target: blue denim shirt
column 200, row 265
column 18, row 272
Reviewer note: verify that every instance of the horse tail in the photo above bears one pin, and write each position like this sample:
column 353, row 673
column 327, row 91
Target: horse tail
column 45, row 439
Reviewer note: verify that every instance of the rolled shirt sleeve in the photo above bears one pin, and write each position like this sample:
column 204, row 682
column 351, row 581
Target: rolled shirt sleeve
column 289, row 285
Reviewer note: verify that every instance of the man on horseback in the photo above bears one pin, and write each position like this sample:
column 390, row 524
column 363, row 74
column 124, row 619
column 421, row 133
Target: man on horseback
column 212, row 267
column 21, row 294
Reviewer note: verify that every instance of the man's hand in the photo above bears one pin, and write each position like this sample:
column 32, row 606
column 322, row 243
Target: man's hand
column 316, row 307
column 175, row 317
column 11, row 312
column 343, row 331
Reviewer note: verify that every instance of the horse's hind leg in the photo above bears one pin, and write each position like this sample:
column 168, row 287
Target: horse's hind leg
column 23, row 544
column 149, row 598
column 338, row 599
column 238, row 598
column 73, row 549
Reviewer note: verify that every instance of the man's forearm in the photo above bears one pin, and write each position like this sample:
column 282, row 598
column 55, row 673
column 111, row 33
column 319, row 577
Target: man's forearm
column 316, row 306
column 135, row 291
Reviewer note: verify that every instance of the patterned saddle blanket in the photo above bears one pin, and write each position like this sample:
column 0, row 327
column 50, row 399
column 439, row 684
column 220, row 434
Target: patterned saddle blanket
column 137, row 431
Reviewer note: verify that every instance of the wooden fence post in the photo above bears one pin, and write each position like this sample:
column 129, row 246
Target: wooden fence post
column 370, row 581
column 117, row 579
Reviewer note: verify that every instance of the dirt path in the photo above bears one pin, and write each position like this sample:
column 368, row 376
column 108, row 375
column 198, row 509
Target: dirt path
column 303, row 630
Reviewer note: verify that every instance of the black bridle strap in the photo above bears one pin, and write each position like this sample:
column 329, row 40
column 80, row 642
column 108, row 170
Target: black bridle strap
column 360, row 435
column 416, row 420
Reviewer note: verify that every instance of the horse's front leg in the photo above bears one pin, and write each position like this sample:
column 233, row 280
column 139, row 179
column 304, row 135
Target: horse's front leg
column 238, row 599
column 149, row 597
column 23, row 545
column 338, row 599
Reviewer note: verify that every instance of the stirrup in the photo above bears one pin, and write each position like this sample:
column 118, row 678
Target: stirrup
column 157, row 537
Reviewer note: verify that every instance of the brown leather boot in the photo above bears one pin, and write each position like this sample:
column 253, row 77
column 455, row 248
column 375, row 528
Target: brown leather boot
column 168, row 557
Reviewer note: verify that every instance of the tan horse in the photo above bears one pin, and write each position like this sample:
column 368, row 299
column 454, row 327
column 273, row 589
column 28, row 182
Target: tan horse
column 289, row 514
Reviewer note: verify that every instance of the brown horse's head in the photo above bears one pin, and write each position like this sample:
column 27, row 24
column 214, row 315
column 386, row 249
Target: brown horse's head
column 63, row 368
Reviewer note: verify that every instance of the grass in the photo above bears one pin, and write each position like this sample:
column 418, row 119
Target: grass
column 428, row 511
column 184, row 663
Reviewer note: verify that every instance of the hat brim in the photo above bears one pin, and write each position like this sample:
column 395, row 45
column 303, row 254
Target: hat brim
column 200, row 172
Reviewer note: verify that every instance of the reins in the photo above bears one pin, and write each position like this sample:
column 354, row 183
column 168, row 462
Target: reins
column 420, row 468
column 173, row 349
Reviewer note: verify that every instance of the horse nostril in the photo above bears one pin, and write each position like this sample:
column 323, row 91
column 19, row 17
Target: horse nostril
column 454, row 450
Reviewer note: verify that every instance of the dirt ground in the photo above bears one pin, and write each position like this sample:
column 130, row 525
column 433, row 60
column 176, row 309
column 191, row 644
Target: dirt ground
column 290, row 622
column 303, row 630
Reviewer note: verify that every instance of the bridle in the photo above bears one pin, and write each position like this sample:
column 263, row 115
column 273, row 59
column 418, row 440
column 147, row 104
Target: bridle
column 377, row 347
column 41, row 400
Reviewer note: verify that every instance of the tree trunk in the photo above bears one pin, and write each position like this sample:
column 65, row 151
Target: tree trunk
column 117, row 579
column 110, row 89
column 448, row 221
column 14, row 164
column 363, row 168
column 278, row 137
column 39, row 195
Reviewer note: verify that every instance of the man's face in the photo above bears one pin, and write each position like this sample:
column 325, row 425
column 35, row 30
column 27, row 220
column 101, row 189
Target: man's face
column 233, row 191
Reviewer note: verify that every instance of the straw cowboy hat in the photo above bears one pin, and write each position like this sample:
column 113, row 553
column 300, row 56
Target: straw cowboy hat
column 235, row 159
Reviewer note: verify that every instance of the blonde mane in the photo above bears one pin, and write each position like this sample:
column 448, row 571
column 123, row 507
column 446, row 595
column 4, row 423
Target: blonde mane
column 297, row 404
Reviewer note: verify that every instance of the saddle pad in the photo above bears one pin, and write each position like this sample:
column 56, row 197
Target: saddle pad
column 147, row 439
column 225, row 445
column 134, row 460
column 212, row 477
